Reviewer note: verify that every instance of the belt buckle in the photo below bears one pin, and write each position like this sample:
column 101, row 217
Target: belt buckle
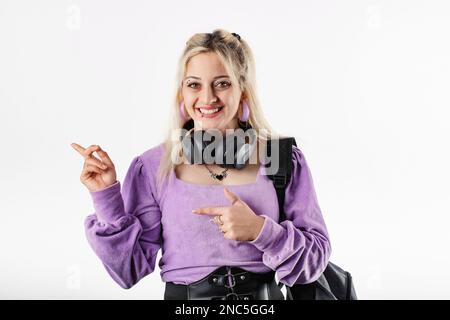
column 232, row 296
column 235, row 296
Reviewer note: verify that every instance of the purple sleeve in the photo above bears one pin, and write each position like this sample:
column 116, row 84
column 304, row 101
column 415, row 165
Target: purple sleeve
column 298, row 249
column 125, row 230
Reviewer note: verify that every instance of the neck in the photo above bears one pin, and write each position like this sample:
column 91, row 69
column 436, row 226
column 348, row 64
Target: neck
column 233, row 124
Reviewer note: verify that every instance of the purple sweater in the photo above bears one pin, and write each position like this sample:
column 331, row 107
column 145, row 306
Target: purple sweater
column 132, row 223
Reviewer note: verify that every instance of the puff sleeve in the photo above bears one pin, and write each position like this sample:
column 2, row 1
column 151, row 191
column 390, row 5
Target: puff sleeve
column 298, row 249
column 125, row 230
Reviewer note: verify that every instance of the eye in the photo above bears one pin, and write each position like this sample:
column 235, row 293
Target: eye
column 227, row 84
column 221, row 84
column 191, row 83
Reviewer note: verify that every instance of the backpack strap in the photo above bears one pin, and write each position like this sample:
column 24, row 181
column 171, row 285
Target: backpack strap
column 281, row 179
column 283, row 175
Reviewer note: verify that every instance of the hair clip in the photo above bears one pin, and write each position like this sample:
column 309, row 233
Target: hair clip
column 236, row 35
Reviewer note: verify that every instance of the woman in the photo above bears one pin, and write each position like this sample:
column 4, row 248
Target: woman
column 168, row 201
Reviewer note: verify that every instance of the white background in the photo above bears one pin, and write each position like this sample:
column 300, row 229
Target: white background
column 362, row 85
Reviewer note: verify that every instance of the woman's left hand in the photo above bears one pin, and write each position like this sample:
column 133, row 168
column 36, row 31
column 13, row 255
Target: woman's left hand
column 239, row 222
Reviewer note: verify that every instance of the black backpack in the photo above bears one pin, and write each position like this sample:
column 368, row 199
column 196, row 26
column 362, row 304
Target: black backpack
column 334, row 283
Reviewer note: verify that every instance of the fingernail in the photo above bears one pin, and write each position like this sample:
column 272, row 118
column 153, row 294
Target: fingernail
column 194, row 211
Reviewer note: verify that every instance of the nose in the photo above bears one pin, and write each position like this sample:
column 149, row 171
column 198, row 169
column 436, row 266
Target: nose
column 208, row 95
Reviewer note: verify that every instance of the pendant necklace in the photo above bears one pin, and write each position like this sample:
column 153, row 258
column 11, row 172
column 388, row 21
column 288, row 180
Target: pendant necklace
column 216, row 176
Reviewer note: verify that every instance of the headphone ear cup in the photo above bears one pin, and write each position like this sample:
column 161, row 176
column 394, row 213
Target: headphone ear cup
column 186, row 143
column 192, row 147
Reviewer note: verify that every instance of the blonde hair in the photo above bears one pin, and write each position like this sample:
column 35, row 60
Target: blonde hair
column 237, row 59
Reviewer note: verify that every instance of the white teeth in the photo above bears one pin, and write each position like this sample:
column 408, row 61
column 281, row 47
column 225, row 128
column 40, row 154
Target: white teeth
column 209, row 111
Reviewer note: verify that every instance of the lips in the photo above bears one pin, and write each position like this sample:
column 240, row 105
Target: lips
column 207, row 111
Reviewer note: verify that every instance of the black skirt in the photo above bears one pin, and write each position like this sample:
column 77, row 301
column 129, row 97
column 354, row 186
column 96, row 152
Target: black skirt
column 227, row 283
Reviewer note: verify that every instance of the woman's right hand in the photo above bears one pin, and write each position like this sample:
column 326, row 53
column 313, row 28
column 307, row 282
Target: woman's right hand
column 97, row 174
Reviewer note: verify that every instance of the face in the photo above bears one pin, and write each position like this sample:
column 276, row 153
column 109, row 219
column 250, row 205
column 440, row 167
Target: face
column 208, row 94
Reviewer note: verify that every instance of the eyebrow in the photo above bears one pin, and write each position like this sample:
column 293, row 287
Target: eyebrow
column 198, row 78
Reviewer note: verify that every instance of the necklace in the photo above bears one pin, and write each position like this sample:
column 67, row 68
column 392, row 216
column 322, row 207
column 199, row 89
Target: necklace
column 216, row 176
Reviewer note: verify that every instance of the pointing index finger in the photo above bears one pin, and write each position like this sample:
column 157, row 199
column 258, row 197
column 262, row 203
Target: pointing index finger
column 78, row 148
column 211, row 211
column 86, row 153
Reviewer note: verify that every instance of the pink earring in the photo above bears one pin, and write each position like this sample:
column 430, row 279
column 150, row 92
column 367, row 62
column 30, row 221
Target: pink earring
column 245, row 112
column 182, row 113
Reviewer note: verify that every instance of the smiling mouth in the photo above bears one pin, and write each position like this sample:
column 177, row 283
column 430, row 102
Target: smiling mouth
column 208, row 112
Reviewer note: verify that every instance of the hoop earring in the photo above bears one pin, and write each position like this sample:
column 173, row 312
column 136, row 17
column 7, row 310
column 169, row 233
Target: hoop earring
column 245, row 112
column 182, row 113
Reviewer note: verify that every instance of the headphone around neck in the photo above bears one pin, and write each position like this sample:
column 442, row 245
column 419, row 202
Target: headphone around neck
column 211, row 146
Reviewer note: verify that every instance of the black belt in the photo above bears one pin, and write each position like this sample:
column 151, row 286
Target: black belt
column 227, row 283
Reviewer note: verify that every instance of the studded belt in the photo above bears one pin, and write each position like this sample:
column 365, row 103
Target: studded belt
column 227, row 283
